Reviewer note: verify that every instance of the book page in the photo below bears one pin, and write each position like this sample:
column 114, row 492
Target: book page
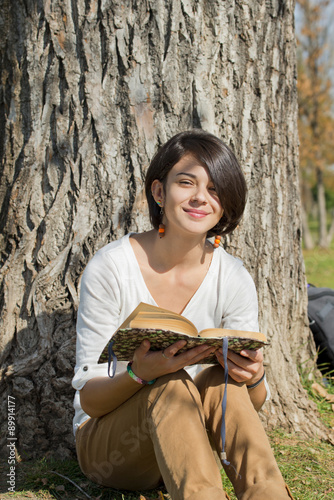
column 223, row 332
column 147, row 316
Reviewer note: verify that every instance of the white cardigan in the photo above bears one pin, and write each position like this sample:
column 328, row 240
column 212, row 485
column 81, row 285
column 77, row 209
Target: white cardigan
column 112, row 286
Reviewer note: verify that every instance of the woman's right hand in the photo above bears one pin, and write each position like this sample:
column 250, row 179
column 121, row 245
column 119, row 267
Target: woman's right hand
column 149, row 365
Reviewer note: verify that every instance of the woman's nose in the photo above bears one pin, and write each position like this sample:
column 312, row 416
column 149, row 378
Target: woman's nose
column 199, row 196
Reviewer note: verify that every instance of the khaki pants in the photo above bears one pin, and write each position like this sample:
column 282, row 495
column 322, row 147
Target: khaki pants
column 163, row 434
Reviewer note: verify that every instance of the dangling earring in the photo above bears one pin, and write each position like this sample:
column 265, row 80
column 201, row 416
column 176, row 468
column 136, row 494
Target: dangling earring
column 161, row 226
column 217, row 241
column 161, row 230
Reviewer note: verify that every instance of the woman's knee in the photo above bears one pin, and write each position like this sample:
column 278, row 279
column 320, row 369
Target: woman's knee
column 214, row 376
column 211, row 386
column 174, row 390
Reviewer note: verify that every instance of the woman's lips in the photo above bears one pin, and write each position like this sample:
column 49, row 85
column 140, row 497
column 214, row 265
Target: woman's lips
column 197, row 214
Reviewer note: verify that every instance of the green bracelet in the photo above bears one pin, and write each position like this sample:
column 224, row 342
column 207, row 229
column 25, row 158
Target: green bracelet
column 137, row 379
column 252, row 386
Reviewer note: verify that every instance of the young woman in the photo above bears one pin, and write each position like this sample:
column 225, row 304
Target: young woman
column 160, row 419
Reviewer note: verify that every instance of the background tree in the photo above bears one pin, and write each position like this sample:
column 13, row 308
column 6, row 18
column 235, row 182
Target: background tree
column 316, row 105
column 89, row 90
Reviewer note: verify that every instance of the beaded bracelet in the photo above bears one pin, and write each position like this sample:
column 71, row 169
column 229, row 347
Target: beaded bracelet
column 252, row 386
column 137, row 379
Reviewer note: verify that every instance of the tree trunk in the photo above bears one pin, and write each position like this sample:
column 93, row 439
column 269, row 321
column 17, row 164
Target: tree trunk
column 330, row 234
column 305, row 207
column 307, row 237
column 89, row 90
column 323, row 240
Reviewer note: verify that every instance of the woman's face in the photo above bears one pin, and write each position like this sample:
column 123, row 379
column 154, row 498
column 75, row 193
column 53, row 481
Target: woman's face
column 190, row 200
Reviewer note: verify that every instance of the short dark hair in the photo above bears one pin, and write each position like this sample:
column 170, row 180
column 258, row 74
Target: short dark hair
column 224, row 169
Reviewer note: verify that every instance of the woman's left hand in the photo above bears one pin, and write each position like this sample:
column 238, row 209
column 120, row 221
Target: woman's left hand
column 245, row 367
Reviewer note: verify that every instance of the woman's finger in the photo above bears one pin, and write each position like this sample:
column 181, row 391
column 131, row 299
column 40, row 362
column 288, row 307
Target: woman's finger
column 195, row 357
column 240, row 369
column 238, row 373
column 171, row 350
column 143, row 349
column 246, row 360
column 195, row 354
column 254, row 355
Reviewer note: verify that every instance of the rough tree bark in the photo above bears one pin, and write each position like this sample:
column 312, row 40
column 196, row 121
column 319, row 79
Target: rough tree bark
column 89, row 89
column 305, row 208
column 307, row 236
column 323, row 237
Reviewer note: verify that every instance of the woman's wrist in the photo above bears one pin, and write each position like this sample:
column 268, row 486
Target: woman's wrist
column 138, row 379
column 258, row 382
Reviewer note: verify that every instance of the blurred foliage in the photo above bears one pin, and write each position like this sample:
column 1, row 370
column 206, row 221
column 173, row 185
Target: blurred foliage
column 315, row 110
column 315, row 119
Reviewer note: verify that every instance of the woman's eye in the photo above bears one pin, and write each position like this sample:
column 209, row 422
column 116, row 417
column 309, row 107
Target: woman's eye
column 186, row 182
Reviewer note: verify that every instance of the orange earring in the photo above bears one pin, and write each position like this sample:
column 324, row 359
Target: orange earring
column 217, row 241
column 161, row 226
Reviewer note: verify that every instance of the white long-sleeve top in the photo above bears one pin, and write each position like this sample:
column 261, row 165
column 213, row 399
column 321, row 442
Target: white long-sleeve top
column 112, row 286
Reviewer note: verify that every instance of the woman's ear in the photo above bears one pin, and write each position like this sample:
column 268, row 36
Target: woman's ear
column 157, row 191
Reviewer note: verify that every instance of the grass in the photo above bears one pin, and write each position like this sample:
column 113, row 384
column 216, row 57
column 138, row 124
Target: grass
column 319, row 266
column 319, row 263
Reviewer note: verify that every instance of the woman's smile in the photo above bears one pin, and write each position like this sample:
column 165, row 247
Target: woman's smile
column 197, row 214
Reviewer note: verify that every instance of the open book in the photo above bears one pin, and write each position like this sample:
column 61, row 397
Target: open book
column 162, row 328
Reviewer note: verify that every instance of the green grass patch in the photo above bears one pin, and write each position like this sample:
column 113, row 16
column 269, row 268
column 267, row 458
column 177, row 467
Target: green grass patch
column 325, row 404
column 319, row 267
column 55, row 479
column 319, row 262
column 307, row 466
